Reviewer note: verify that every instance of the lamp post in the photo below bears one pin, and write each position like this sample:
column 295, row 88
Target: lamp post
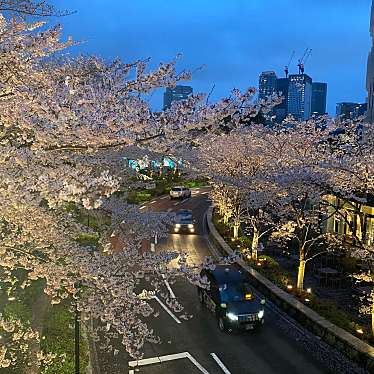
column 76, row 339
column 77, row 331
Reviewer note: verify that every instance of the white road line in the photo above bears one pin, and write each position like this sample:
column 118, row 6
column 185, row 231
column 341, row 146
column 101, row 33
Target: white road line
column 169, row 210
column 172, row 295
column 177, row 203
column 220, row 364
column 145, row 361
column 175, row 318
column 142, row 207
column 152, row 202
column 175, row 356
column 160, row 359
column 197, row 364
column 164, row 197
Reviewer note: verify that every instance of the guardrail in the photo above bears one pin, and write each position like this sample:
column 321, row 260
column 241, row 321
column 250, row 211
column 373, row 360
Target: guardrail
column 352, row 347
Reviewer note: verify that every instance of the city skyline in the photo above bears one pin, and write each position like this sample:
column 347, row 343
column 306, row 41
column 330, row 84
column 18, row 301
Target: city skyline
column 233, row 50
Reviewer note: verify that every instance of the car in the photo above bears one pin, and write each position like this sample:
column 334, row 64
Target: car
column 231, row 299
column 180, row 192
column 184, row 222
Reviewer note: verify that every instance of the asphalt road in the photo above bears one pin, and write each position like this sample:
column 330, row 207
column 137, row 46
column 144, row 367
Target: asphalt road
column 197, row 346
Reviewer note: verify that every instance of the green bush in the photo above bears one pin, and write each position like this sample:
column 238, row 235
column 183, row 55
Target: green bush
column 86, row 239
column 138, row 197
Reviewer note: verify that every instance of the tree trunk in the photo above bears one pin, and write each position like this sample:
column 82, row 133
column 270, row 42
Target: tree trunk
column 254, row 244
column 226, row 219
column 300, row 274
column 236, row 231
column 372, row 317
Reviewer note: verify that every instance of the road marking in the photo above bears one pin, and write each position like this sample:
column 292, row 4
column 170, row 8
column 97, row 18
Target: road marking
column 220, row 364
column 172, row 295
column 164, row 197
column 142, row 207
column 169, row 210
column 175, row 318
column 197, row 364
column 177, row 203
column 160, row 359
column 152, row 202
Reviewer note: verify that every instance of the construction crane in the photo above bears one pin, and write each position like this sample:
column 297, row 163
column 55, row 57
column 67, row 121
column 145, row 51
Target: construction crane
column 303, row 60
column 289, row 63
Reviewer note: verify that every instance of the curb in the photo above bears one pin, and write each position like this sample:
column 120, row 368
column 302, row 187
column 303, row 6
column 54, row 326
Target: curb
column 357, row 350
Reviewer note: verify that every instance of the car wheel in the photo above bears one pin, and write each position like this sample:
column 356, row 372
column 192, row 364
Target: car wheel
column 221, row 324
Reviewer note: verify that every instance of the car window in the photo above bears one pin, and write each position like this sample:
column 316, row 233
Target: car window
column 176, row 189
column 235, row 292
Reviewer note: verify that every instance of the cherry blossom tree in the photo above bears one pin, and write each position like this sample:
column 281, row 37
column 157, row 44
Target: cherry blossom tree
column 349, row 200
column 65, row 125
column 236, row 162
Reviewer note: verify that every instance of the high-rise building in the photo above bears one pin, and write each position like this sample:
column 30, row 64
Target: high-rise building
column 281, row 110
column 370, row 73
column 300, row 96
column 175, row 94
column 267, row 84
column 319, row 95
column 350, row 110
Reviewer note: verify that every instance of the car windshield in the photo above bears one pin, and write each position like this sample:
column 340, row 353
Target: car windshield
column 176, row 189
column 235, row 292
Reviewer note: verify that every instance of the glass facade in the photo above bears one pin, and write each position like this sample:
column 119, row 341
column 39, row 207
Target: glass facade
column 267, row 84
column 319, row 95
column 175, row 94
column 300, row 96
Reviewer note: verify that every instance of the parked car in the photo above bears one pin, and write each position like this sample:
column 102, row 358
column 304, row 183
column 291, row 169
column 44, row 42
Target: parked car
column 184, row 222
column 231, row 299
column 180, row 192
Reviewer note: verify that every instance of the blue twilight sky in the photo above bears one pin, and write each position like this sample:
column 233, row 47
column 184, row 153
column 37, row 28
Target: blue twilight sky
column 234, row 39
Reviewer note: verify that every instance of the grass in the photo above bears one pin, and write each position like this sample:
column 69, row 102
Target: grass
column 59, row 339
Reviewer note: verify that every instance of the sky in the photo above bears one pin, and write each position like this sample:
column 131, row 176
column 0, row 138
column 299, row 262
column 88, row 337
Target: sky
column 227, row 43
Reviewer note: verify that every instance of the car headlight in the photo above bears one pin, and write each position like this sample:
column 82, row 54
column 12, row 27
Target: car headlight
column 190, row 226
column 178, row 225
column 232, row 316
column 260, row 314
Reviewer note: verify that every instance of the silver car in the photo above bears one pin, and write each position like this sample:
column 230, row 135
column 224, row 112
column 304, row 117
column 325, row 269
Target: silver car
column 180, row 192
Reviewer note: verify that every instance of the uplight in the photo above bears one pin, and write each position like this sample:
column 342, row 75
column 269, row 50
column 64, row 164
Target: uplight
column 289, row 287
column 309, row 290
column 360, row 331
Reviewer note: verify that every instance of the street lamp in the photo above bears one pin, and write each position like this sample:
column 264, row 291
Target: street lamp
column 77, row 330
column 76, row 338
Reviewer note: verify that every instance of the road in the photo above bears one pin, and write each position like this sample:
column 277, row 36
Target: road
column 197, row 346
